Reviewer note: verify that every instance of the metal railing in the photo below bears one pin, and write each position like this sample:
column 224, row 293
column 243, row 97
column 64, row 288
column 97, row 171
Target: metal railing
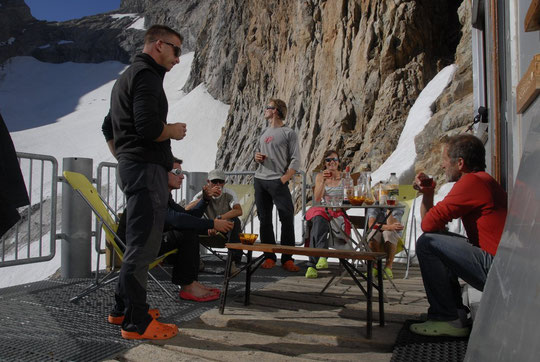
column 25, row 242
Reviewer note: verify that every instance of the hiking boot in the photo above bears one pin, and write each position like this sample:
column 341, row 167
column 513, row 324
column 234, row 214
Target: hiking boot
column 289, row 266
column 268, row 264
column 322, row 263
column 439, row 328
column 311, row 273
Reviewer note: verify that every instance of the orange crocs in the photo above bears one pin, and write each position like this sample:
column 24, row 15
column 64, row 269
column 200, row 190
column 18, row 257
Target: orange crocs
column 289, row 266
column 155, row 330
column 268, row 264
column 112, row 319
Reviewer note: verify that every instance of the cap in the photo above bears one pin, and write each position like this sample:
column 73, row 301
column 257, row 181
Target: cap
column 216, row 175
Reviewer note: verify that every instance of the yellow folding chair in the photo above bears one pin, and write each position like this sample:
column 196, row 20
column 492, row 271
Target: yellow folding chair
column 108, row 219
column 407, row 196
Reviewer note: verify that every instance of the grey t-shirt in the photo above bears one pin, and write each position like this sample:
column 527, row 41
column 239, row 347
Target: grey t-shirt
column 221, row 204
column 280, row 145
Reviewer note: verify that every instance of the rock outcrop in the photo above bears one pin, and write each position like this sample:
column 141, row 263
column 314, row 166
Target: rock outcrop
column 348, row 70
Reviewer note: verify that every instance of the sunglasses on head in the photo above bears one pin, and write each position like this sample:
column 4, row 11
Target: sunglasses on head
column 269, row 107
column 330, row 159
column 217, row 182
column 177, row 50
column 176, row 171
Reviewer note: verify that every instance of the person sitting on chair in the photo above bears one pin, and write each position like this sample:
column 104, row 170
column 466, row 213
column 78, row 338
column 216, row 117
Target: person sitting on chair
column 385, row 238
column 181, row 231
column 327, row 183
column 223, row 204
column 481, row 203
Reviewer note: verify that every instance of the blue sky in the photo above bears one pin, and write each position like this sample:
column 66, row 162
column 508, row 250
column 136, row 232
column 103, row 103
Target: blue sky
column 60, row 10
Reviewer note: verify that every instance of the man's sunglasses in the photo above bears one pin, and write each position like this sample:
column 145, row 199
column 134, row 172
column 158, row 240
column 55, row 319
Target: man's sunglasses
column 177, row 49
column 217, row 182
column 176, row 171
column 330, row 159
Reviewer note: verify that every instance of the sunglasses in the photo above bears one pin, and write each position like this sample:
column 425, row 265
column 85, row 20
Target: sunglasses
column 269, row 107
column 217, row 182
column 177, row 49
column 330, row 159
column 176, row 171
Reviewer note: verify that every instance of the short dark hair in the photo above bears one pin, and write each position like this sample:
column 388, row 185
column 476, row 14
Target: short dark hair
column 177, row 160
column 157, row 31
column 470, row 149
column 281, row 107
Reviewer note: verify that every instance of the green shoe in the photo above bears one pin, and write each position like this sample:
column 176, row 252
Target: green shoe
column 388, row 273
column 311, row 273
column 322, row 263
column 439, row 328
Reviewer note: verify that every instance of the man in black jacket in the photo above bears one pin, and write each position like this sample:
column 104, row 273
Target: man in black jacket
column 141, row 143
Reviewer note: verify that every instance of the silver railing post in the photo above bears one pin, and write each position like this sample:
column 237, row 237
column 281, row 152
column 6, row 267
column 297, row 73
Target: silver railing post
column 76, row 224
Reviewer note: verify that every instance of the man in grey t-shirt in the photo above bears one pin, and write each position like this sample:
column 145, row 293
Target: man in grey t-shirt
column 279, row 159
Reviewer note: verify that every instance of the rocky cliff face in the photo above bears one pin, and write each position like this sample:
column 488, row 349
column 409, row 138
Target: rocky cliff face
column 349, row 70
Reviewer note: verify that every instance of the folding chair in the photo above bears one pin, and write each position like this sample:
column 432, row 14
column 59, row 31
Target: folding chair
column 407, row 196
column 108, row 218
column 246, row 199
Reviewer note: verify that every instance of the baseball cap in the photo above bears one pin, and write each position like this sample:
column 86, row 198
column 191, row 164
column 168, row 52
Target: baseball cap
column 216, row 175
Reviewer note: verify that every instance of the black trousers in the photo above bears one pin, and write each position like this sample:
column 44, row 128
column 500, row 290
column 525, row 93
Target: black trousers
column 186, row 261
column 267, row 194
column 145, row 187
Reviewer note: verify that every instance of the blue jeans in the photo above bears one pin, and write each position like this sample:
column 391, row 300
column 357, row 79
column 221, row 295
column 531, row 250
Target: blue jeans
column 443, row 257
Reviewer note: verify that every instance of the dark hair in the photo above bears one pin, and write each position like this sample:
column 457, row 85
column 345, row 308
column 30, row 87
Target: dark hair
column 281, row 107
column 177, row 160
column 327, row 153
column 470, row 149
column 157, row 31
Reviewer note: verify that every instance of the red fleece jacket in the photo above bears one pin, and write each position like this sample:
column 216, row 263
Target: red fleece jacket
column 480, row 202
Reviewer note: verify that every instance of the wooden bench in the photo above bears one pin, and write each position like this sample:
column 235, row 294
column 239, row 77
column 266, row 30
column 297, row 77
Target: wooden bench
column 343, row 255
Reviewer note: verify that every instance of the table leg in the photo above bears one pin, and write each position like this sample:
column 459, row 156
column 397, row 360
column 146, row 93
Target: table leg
column 369, row 296
column 248, row 278
column 223, row 296
column 381, row 293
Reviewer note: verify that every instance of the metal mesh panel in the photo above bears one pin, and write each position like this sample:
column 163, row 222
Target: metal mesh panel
column 39, row 323
column 413, row 347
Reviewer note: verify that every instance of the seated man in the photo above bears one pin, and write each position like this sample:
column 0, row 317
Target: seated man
column 182, row 228
column 180, row 232
column 481, row 203
column 223, row 204
column 386, row 237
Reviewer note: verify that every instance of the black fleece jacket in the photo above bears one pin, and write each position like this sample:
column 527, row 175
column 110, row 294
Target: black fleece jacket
column 138, row 114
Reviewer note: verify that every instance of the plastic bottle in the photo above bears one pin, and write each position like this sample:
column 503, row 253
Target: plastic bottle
column 383, row 192
column 393, row 189
column 348, row 185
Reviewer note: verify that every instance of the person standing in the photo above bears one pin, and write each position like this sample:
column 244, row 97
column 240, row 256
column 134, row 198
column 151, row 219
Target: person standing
column 141, row 140
column 279, row 159
column 481, row 203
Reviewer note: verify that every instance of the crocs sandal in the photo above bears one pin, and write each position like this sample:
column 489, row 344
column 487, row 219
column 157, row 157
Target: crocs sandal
column 155, row 330
column 439, row 328
column 311, row 273
column 289, row 266
column 118, row 319
column 388, row 273
column 268, row 264
column 322, row 263
column 189, row 296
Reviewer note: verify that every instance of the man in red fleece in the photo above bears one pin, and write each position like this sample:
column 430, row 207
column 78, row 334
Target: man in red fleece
column 481, row 203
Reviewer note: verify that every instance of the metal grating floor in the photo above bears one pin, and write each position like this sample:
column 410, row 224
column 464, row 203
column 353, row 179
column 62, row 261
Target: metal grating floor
column 413, row 347
column 39, row 323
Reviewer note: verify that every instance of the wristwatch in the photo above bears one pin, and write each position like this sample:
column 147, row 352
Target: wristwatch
column 218, row 217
